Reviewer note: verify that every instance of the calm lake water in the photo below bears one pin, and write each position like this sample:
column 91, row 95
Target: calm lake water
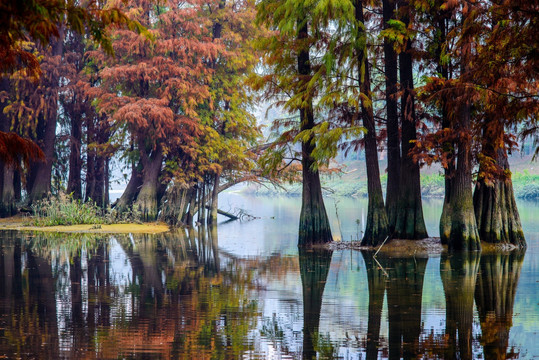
column 245, row 291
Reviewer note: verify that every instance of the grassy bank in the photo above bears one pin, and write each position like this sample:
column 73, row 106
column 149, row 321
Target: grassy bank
column 65, row 215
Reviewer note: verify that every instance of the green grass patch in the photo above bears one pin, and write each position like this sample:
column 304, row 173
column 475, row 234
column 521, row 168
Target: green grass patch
column 64, row 210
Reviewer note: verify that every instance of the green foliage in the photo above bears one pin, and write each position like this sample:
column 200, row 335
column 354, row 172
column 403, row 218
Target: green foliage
column 525, row 185
column 64, row 210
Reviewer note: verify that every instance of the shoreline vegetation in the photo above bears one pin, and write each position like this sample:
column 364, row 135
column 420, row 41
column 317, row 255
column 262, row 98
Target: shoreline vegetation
column 21, row 223
column 525, row 185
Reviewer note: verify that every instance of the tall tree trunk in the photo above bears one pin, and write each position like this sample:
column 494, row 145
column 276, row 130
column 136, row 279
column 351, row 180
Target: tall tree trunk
column 147, row 198
column 449, row 147
column 463, row 234
column 313, row 221
column 74, row 185
column 495, row 207
column 377, row 289
column 7, row 190
column 42, row 170
column 7, row 197
column 377, row 228
column 212, row 219
column 393, row 137
column 494, row 297
column 314, row 268
column 459, row 274
column 131, row 190
column 409, row 223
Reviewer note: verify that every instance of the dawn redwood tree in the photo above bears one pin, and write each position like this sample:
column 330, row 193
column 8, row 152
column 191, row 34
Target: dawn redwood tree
column 154, row 86
column 505, row 77
column 458, row 226
column 409, row 222
column 291, row 69
column 392, row 118
column 33, row 111
column 485, row 58
column 377, row 228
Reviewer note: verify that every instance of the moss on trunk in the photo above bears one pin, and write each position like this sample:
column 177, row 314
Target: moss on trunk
column 146, row 201
column 496, row 212
column 460, row 227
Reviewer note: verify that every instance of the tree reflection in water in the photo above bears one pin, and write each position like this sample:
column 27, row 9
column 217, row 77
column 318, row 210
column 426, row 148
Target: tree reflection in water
column 178, row 301
column 494, row 297
column 177, row 296
column 314, row 267
column 402, row 276
column 459, row 274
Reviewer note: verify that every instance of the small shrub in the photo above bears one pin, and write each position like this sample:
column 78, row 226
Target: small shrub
column 64, row 210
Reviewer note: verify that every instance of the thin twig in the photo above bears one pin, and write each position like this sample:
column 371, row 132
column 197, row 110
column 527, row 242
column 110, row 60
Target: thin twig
column 387, row 237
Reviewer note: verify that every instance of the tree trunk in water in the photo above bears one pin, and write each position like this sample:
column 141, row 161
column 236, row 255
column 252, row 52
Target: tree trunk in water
column 7, row 197
column 132, row 189
column 393, row 138
column 7, row 190
column 74, row 185
column 462, row 226
column 42, row 170
column 96, row 192
column 313, row 222
column 377, row 289
column 377, row 228
column 410, row 223
column 449, row 170
column 495, row 207
column 174, row 205
column 404, row 294
column 212, row 219
column 147, row 197
column 459, row 274
column 494, row 297
column 314, row 268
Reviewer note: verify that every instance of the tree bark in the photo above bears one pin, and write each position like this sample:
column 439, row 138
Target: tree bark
column 377, row 228
column 393, row 137
column 449, row 169
column 74, row 184
column 7, row 190
column 214, row 203
column 41, row 171
column 496, row 212
column 460, row 227
column 409, row 223
column 131, row 190
column 314, row 225
column 147, row 198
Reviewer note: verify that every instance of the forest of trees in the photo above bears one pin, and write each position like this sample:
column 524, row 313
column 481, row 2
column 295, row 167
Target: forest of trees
column 167, row 89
